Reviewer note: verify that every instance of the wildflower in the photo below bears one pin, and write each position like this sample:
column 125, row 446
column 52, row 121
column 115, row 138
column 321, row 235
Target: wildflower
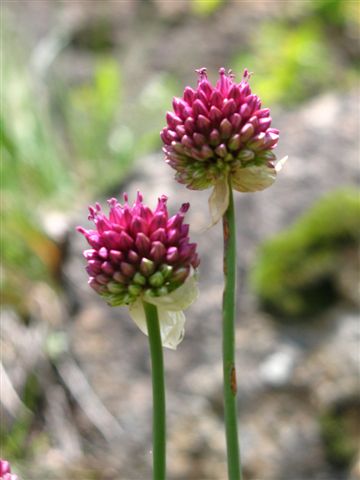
column 5, row 471
column 219, row 133
column 142, row 255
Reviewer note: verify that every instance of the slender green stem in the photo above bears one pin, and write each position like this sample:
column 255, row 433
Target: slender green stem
column 229, row 308
column 158, row 388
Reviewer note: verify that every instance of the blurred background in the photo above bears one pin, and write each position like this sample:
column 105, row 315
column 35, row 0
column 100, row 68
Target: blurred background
column 85, row 88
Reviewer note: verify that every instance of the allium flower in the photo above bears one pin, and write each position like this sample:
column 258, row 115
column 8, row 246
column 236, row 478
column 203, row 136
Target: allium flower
column 219, row 132
column 137, row 254
column 5, row 471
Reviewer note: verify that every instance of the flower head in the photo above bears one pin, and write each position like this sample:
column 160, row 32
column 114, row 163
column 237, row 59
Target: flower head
column 138, row 254
column 217, row 133
column 5, row 471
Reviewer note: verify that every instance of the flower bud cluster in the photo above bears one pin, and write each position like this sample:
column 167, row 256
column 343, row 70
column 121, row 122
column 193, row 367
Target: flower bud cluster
column 5, row 471
column 221, row 131
column 136, row 251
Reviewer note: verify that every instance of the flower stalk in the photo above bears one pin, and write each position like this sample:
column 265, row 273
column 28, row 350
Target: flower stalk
column 143, row 259
column 219, row 136
column 229, row 370
column 158, row 388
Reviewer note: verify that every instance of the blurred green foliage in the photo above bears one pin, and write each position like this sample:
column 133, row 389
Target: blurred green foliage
column 33, row 174
column 147, row 119
column 90, row 111
column 294, row 60
column 107, row 130
column 16, row 444
column 49, row 163
column 340, row 430
column 336, row 13
column 205, row 7
column 294, row 271
column 290, row 63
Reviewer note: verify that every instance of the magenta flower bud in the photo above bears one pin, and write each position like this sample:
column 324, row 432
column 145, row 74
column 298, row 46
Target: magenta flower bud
column 189, row 95
column 172, row 255
column 189, row 125
column 96, row 286
column 142, row 243
column 125, row 241
column 215, row 114
column 180, row 130
column 127, row 269
column 173, row 120
column 157, row 252
column 94, row 266
column 4, row 467
column 136, row 251
column 111, row 239
column 107, row 268
column 115, row 256
column 221, row 122
column 103, row 253
column 133, row 257
column 225, row 128
column 5, row 471
column 247, row 132
column 102, row 279
column 180, row 274
column 221, row 150
column 174, row 236
column 88, row 254
column 120, row 277
column 138, row 225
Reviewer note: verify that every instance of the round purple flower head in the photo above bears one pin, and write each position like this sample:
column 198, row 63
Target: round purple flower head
column 138, row 254
column 221, row 133
column 5, row 471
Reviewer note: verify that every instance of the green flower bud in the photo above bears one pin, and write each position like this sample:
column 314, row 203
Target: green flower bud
column 156, row 280
column 166, row 270
column 162, row 291
column 139, row 279
column 135, row 290
column 115, row 287
column 147, row 267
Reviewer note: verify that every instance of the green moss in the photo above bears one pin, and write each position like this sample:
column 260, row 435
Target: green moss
column 340, row 434
column 294, row 272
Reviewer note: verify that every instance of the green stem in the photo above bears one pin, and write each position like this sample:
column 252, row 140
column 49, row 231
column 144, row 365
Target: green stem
column 158, row 388
column 229, row 372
